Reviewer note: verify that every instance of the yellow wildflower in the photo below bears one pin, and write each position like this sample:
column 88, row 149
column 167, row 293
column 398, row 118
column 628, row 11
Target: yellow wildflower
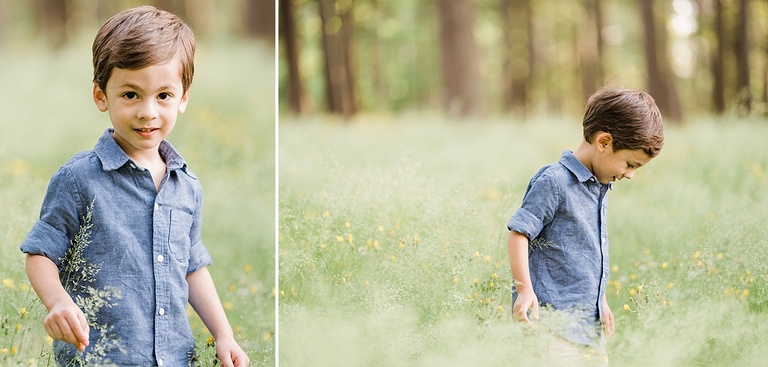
column 626, row 307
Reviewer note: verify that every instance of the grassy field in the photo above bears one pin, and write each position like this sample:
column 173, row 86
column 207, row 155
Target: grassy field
column 226, row 136
column 392, row 237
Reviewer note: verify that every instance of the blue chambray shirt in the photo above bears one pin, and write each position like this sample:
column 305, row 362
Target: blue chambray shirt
column 563, row 216
column 145, row 241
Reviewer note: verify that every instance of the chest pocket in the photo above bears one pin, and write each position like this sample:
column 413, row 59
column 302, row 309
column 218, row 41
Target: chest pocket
column 179, row 241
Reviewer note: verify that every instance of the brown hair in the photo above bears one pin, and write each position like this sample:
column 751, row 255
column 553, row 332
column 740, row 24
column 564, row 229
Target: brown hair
column 630, row 116
column 140, row 37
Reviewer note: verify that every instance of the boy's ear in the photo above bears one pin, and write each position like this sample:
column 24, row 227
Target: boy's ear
column 184, row 101
column 603, row 140
column 99, row 98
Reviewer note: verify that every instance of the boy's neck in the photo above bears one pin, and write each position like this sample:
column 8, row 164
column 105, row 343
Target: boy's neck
column 584, row 153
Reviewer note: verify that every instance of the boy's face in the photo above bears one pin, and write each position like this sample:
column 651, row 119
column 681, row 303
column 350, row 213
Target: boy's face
column 613, row 165
column 143, row 105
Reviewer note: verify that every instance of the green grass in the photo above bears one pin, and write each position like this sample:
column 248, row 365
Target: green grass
column 226, row 136
column 392, row 237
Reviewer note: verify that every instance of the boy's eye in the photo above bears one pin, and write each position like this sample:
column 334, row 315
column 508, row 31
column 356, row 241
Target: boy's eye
column 130, row 95
column 164, row 96
column 630, row 166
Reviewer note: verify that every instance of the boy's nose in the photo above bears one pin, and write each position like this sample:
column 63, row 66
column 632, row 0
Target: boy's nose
column 628, row 175
column 147, row 111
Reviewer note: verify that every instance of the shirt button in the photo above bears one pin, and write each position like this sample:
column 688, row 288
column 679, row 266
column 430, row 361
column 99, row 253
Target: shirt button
column 160, row 258
column 160, row 362
column 161, row 311
column 133, row 166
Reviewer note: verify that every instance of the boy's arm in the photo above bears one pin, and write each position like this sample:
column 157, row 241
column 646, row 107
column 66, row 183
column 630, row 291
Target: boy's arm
column 205, row 301
column 518, row 261
column 65, row 321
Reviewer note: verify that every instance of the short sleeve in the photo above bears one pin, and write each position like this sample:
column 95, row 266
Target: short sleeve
column 538, row 208
column 59, row 220
column 198, row 254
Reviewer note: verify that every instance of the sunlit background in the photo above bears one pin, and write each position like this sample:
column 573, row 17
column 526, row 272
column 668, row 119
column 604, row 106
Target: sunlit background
column 524, row 57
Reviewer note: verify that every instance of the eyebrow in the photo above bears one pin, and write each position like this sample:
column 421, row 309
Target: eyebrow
column 133, row 86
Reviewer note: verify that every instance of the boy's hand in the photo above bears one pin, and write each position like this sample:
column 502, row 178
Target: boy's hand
column 230, row 354
column 608, row 324
column 526, row 300
column 66, row 322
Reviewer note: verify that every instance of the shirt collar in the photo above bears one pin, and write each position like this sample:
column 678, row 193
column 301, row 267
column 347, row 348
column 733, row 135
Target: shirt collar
column 113, row 157
column 578, row 169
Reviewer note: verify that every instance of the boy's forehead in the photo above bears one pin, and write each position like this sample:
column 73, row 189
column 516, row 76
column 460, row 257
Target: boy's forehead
column 169, row 72
column 636, row 157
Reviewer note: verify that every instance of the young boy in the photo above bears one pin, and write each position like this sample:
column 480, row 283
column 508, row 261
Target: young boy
column 558, row 240
column 146, row 211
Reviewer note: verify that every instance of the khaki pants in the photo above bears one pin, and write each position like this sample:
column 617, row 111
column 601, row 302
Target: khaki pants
column 561, row 352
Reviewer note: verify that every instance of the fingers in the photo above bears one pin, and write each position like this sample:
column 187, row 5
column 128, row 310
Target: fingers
column 82, row 331
column 226, row 361
column 235, row 360
column 241, row 361
column 68, row 325
column 520, row 312
column 608, row 325
column 535, row 311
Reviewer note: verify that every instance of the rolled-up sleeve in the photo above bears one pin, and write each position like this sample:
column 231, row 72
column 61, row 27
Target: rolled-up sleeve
column 59, row 220
column 198, row 254
column 538, row 207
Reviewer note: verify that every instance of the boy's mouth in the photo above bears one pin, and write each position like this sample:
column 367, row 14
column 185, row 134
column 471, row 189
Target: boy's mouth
column 146, row 131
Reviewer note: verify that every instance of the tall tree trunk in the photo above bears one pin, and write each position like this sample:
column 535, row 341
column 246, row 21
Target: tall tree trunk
column 588, row 50
column 174, row 6
column 599, row 24
column 337, row 43
column 290, row 45
column 53, row 21
column 742, row 58
column 660, row 83
column 260, row 19
column 718, row 75
column 517, row 20
column 461, row 80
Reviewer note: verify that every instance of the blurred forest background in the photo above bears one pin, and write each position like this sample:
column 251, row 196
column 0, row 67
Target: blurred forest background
column 521, row 57
column 57, row 22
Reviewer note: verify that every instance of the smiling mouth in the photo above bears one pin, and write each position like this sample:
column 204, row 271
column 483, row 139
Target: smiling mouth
column 147, row 129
